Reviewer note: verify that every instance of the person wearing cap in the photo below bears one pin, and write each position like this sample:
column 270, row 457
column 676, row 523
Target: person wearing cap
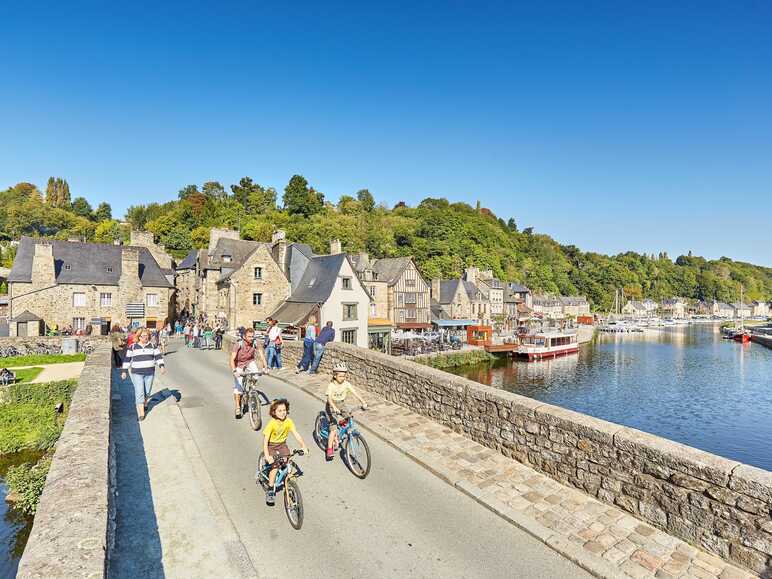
column 337, row 391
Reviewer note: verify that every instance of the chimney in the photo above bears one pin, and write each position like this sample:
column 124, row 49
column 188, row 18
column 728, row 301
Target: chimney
column 142, row 238
column 216, row 234
column 43, row 272
column 436, row 289
column 335, row 247
column 279, row 247
column 471, row 274
column 129, row 264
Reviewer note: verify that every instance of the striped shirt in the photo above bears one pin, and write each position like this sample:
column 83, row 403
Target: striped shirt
column 142, row 360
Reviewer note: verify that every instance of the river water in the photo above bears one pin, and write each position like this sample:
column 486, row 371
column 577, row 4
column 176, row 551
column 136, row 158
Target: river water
column 684, row 383
column 15, row 527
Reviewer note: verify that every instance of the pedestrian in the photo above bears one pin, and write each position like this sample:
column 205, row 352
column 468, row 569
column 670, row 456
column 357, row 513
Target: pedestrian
column 196, row 335
column 218, row 333
column 273, row 351
column 142, row 358
column 326, row 336
column 308, row 346
column 118, row 343
column 208, row 338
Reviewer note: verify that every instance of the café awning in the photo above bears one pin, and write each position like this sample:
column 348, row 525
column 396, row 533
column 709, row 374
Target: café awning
column 293, row 313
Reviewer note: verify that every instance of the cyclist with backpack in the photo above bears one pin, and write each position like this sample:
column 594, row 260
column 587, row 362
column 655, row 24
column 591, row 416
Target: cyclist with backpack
column 247, row 357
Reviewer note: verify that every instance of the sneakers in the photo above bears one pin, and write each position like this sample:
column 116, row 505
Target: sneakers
column 330, row 453
column 238, row 413
column 270, row 498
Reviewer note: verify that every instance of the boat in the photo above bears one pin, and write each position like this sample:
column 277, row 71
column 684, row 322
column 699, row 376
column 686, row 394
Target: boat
column 547, row 345
column 741, row 335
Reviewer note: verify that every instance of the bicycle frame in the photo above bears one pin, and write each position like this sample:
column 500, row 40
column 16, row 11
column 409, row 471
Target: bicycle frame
column 287, row 469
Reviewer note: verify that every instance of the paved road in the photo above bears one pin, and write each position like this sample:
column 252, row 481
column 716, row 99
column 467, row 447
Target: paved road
column 401, row 521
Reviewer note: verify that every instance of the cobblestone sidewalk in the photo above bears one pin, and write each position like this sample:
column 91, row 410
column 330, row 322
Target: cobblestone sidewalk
column 600, row 538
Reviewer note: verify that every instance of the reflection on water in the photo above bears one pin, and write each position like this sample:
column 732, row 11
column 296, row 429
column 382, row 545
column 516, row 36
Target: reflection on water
column 15, row 527
column 684, row 383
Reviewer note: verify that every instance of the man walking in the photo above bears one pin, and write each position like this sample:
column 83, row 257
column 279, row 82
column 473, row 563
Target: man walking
column 273, row 352
column 326, row 336
column 308, row 346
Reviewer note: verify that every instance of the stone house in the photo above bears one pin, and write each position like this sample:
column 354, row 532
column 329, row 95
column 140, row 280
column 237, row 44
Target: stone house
column 492, row 288
column 548, row 307
column 519, row 291
column 650, row 305
column 459, row 299
column 575, row 306
column 327, row 288
column 674, row 308
column 399, row 292
column 759, row 309
column 721, row 310
column 77, row 284
column 636, row 309
column 741, row 310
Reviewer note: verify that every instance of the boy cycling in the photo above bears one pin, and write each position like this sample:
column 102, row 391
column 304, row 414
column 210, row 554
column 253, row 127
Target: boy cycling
column 337, row 391
column 247, row 358
column 275, row 441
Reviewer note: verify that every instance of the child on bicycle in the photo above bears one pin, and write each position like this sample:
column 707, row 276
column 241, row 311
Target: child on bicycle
column 275, row 441
column 335, row 408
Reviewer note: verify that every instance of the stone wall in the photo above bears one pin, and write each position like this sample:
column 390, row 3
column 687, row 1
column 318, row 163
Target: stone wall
column 70, row 535
column 718, row 504
column 46, row 345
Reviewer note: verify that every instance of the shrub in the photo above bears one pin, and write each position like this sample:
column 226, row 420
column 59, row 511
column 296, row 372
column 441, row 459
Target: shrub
column 26, row 482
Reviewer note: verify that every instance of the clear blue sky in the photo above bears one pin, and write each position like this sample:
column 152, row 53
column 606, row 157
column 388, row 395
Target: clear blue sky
column 611, row 125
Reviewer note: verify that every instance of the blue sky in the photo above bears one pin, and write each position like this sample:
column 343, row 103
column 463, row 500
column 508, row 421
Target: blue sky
column 610, row 125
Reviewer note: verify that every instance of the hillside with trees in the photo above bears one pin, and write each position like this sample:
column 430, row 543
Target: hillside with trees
column 443, row 238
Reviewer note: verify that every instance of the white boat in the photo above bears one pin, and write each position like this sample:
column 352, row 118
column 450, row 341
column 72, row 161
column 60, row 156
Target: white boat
column 547, row 345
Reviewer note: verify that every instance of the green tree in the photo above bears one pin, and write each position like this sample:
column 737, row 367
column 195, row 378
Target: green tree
column 108, row 232
column 366, row 200
column 213, row 190
column 254, row 197
column 300, row 199
column 103, row 212
column 52, row 192
column 82, row 207
column 187, row 191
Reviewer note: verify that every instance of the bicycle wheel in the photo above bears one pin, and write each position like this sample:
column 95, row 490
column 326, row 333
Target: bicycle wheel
column 261, row 463
column 293, row 504
column 319, row 427
column 357, row 455
column 255, row 417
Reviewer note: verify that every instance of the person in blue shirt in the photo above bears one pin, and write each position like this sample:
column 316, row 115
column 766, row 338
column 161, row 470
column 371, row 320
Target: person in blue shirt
column 325, row 336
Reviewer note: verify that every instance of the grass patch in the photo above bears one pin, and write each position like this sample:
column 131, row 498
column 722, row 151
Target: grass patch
column 444, row 361
column 25, row 484
column 36, row 359
column 27, row 374
column 28, row 419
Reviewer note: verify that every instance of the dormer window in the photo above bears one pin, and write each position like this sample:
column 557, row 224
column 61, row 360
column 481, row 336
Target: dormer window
column 227, row 258
column 67, row 266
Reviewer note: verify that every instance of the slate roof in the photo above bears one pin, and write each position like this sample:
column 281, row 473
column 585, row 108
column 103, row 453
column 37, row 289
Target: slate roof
column 516, row 287
column 448, row 288
column 238, row 249
column 190, row 260
column 510, row 297
column 89, row 263
column 573, row 300
column 318, row 279
column 390, row 268
column 26, row 316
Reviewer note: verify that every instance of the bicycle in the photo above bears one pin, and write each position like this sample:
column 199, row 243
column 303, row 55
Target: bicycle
column 354, row 447
column 252, row 400
column 288, row 472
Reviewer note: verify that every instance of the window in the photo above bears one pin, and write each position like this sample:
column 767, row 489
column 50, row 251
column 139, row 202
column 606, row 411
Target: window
column 372, row 290
column 258, row 273
column 78, row 323
column 79, row 300
column 410, row 282
column 411, row 314
column 401, row 315
column 349, row 336
column 67, row 266
column 257, row 299
column 105, row 300
column 411, row 298
column 400, row 300
column 375, row 276
column 349, row 311
column 346, row 281
column 152, row 300
column 227, row 258
column 109, row 269
column 373, row 310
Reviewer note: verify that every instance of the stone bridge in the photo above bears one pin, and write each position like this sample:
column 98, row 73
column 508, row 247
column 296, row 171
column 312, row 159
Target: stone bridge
column 467, row 481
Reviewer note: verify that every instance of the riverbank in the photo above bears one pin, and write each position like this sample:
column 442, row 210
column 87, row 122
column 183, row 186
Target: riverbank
column 442, row 360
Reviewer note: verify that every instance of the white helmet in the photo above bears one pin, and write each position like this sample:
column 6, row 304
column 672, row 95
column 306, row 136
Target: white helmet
column 340, row 367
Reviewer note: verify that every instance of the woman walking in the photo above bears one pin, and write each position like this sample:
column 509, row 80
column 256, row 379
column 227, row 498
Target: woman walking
column 141, row 361
column 118, row 343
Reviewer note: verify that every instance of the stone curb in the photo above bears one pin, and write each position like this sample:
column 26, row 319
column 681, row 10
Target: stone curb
column 574, row 553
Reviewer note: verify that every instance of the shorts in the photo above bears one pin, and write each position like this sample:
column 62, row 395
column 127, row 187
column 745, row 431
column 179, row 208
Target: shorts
column 239, row 380
column 279, row 448
column 332, row 417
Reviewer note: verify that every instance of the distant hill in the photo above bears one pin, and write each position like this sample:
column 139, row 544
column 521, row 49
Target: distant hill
column 443, row 238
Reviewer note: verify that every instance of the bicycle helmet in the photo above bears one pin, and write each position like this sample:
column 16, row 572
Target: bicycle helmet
column 340, row 367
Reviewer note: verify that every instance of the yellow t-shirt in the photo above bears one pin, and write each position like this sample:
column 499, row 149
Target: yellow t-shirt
column 278, row 430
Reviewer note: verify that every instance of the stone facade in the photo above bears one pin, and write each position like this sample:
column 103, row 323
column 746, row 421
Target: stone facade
column 187, row 283
column 145, row 239
column 77, row 304
column 723, row 506
column 259, row 276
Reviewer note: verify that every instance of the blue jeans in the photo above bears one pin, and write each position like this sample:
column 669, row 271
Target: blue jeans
column 143, row 386
column 308, row 354
column 273, row 356
column 318, row 351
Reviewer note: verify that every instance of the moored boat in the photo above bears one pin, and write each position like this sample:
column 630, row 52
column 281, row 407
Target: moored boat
column 547, row 345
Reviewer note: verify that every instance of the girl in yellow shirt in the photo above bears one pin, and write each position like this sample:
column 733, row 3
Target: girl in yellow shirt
column 275, row 436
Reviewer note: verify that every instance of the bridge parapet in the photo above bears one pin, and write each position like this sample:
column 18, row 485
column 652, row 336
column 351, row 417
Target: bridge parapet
column 720, row 505
column 70, row 535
